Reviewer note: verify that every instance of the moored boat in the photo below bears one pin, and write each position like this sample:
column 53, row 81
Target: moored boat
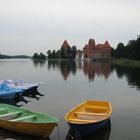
column 89, row 116
column 21, row 85
column 9, row 92
column 25, row 121
column 101, row 134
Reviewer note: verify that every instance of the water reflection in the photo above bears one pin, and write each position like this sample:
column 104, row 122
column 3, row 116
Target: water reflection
column 66, row 67
column 132, row 75
column 99, row 68
column 18, row 101
column 89, row 68
column 102, row 134
column 14, row 101
column 39, row 63
column 9, row 135
column 33, row 94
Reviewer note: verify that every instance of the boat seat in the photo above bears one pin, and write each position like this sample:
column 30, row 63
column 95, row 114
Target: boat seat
column 82, row 120
column 24, row 118
column 11, row 113
column 3, row 110
column 90, row 113
column 96, row 107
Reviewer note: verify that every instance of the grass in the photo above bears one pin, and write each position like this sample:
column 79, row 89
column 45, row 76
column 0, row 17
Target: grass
column 126, row 62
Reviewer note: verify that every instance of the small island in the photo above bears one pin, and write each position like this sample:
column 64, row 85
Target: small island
column 125, row 55
column 91, row 51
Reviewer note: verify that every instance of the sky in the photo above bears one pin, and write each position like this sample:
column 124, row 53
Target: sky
column 29, row 26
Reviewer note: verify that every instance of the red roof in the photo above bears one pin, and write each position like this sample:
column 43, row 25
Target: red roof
column 106, row 44
column 86, row 46
column 99, row 46
column 65, row 45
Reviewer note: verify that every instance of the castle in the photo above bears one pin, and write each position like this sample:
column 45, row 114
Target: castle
column 99, row 51
column 91, row 51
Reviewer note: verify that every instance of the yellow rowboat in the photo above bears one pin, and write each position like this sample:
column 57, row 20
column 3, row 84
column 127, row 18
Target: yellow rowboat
column 89, row 116
column 25, row 121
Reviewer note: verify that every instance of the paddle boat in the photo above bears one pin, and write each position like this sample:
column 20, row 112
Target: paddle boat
column 25, row 121
column 9, row 92
column 20, row 84
column 89, row 116
column 14, row 101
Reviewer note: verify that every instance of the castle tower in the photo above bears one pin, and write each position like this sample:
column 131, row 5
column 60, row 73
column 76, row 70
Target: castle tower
column 65, row 45
column 91, row 43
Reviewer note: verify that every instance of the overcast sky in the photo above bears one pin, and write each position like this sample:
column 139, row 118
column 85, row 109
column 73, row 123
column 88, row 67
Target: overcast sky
column 28, row 26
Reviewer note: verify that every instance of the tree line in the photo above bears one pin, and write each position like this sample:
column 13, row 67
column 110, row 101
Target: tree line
column 40, row 56
column 130, row 51
column 62, row 53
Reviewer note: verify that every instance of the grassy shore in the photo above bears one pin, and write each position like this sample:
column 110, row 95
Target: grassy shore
column 127, row 62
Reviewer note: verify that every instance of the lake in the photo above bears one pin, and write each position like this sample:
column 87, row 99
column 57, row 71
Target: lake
column 68, row 83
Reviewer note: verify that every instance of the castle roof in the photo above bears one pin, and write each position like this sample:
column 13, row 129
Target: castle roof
column 65, row 45
column 99, row 45
column 106, row 44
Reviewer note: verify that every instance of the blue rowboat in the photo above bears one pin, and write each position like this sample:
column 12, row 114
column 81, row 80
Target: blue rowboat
column 9, row 92
column 89, row 116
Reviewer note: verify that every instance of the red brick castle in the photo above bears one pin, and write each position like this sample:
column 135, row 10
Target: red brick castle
column 99, row 51
column 91, row 50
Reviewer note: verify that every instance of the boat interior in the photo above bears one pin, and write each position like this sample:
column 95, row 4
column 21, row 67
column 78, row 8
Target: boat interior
column 89, row 112
column 20, row 115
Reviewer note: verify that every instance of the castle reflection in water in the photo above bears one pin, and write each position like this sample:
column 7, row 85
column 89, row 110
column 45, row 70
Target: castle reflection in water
column 89, row 68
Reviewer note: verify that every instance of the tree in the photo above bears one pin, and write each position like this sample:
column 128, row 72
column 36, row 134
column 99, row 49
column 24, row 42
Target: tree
column 69, row 53
column 131, row 50
column 41, row 56
column 74, row 50
column 62, row 53
column 53, row 55
column 49, row 53
column 112, row 52
column 35, row 56
column 120, row 50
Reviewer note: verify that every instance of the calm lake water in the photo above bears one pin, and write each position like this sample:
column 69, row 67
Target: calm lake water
column 69, row 83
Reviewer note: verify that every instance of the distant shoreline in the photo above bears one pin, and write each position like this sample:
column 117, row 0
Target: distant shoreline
column 14, row 57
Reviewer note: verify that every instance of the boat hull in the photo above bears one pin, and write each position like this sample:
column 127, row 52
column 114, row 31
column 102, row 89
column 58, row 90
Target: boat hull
column 89, row 116
column 25, row 121
column 86, row 129
column 101, row 134
column 11, row 95
column 42, row 130
column 30, row 90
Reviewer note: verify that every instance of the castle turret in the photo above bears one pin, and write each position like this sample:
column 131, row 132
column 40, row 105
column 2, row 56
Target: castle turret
column 65, row 45
column 91, row 43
